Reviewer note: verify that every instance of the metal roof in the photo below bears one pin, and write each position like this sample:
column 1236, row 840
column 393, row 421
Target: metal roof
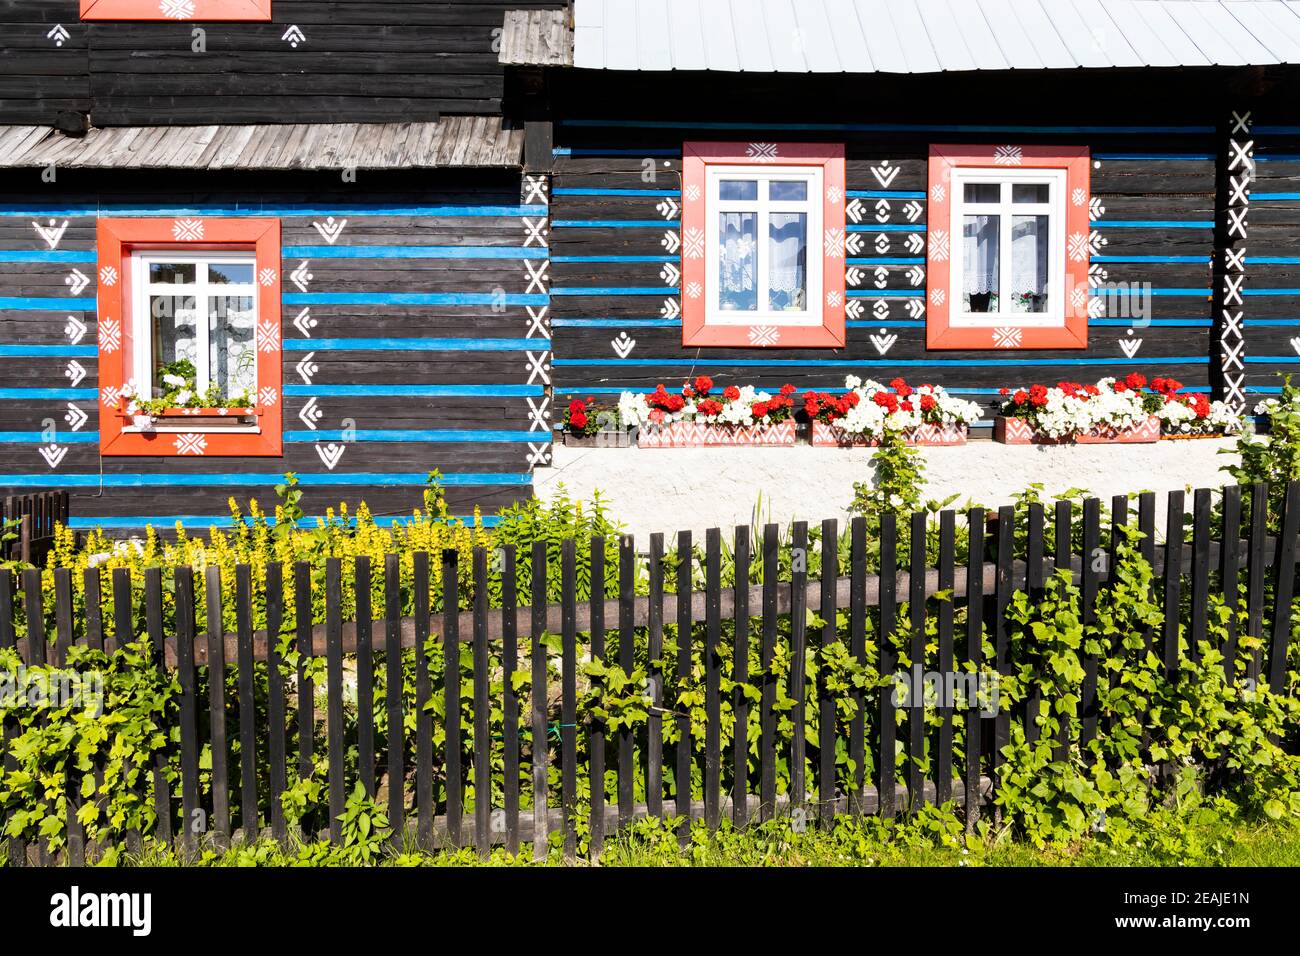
column 453, row 141
column 931, row 36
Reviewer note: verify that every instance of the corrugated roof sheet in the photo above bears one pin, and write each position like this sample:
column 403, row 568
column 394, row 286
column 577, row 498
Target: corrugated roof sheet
column 453, row 141
column 931, row 36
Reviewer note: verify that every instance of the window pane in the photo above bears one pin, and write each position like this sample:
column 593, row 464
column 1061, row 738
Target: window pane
column 232, row 354
column 1029, row 241
column 737, row 272
column 1031, row 192
column 174, row 328
column 171, row 273
column 225, row 273
column 980, row 262
column 787, row 278
column 983, row 192
column 779, row 191
column 741, row 189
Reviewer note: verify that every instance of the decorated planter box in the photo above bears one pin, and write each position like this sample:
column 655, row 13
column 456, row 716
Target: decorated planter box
column 705, row 435
column 614, row 438
column 1017, row 431
column 832, row 436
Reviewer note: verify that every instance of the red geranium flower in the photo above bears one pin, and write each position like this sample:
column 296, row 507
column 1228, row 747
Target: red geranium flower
column 1135, row 381
column 731, row 393
column 927, row 403
column 1020, row 397
column 759, row 409
column 578, row 419
column 703, row 383
column 576, row 406
column 788, row 389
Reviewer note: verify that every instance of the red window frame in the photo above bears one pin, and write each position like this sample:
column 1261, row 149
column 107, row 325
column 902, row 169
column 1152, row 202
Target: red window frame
column 940, row 247
column 117, row 239
column 207, row 10
column 696, row 159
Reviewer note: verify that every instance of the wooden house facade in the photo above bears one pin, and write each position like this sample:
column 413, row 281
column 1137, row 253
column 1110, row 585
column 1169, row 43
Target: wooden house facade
column 443, row 220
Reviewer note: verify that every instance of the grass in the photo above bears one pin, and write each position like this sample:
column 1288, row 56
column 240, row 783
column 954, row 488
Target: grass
column 1211, row 834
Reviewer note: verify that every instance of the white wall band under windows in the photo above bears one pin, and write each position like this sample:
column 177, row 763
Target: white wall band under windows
column 1009, row 266
column 763, row 243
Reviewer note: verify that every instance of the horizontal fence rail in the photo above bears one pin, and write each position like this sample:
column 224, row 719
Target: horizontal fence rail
column 736, row 679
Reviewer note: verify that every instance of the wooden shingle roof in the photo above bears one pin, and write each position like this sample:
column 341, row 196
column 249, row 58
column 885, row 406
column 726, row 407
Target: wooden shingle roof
column 452, row 141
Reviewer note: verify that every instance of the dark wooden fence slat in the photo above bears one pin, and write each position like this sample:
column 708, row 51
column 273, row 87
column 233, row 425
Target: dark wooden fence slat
column 334, row 743
column 1093, row 558
column 420, row 584
column 17, row 848
column 276, row 705
column 482, row 709
column 510, row 696
column 361, row 577
column 1202, row 506
column 394, row 733
column 1001, row 633
column 192, row 823
column 915, row 697
column 655, row 648
column 1034, row 570
column 946, row 582
column 451, row 685
column 247, row 702
column 596, row 729
column 216, row 707
column 153, row 612
column 626, row 661
column 684, row 763
column 1062, row 549
column 568, row 693
column 1147, row 548
column 740, row 674
column 1257, row 568
column 885, row 783
column 1284, row 588
column 975, row 658
column 798, row 665
column 34, row 608
column 91, row 587
column 858, row 651
column 826, row 730
column 537, row 704
column 712, row 677
column 62, row 615
column 302, row 603
column 1173, row 581
column 767, row 652
column 1229, row 573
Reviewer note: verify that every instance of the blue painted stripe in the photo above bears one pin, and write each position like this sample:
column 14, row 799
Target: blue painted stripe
column 40, row 438
column 1267, row 130
column 664, row 258
column 641, row 390
column 614, row 290
column 1278, row 323
column 414, row 252
column 590, row 191
column 411, row 391
column 1270, row 292
column 882, row 127
column 244, row 478
column 46, row 255
column 615, row 223
column 1158, row 157
column 203, row 522
column 289, row 210
column 412, row 298
column 1271, row 260
column 877, row 293
column 603, row 151
column 890, row 227
column 47, row 304
column 1197, row 260
column 1273, row 197
column 1156, row 323
column 1273, row 359
column 47, row 351
column 886, row 261
column 27, row 394
column 886, row 194
column 886, row 363
column 617, row 323
column 414, row 345
column 1151, row 224
column 1096, row 290
column 891, row 323
column 440, row 435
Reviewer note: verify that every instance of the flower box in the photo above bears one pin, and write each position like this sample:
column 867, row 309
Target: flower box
column 1017, row 431
column 708, row 435
column 826, row 435
column 609, row 438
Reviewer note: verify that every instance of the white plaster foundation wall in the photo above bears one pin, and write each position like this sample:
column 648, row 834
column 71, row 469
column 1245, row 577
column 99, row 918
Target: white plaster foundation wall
column 674, row 489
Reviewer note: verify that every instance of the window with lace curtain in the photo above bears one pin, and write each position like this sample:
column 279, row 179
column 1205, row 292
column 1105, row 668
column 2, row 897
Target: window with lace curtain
column 762, row 244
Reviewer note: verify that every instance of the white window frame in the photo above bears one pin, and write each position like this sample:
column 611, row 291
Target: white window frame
column 200, row 290
column 1054, row 209
column 812, row 206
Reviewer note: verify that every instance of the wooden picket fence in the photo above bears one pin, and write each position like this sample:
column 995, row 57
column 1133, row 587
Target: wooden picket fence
column 32, row 520
column 1220, row 549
